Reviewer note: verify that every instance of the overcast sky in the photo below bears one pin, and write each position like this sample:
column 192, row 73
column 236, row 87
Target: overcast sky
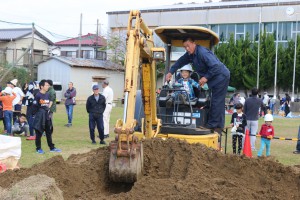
column 63, row 16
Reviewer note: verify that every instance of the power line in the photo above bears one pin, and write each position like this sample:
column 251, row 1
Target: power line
column 17, row 23
column 53, row 34
column 56, row 35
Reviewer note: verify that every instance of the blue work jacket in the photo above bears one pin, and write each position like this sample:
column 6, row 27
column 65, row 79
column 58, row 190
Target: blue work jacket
column 206, row 64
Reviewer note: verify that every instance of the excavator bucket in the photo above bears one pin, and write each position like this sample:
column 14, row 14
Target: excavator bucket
column 125, row 169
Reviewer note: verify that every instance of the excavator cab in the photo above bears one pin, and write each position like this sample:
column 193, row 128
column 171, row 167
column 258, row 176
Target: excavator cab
column 145, row 115
column 182, row 120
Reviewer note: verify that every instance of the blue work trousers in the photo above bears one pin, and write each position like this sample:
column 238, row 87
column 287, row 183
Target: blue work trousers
column 96, row 119
column 69, row 109
column 216, row 117
column 8, row 115
column 264, row 142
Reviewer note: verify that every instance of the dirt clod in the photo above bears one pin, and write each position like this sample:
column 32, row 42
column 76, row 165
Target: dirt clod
column 173, row 169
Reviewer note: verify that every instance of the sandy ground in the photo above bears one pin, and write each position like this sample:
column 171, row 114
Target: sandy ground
column 173, row 169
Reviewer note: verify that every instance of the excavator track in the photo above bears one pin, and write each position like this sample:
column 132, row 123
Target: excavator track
column 127, row 169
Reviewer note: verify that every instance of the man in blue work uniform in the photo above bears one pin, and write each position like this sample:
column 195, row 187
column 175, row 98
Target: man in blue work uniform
column 213, row 72
column 95, row 106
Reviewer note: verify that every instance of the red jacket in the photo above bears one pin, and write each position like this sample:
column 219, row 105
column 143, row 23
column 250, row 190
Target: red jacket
column 266, row 130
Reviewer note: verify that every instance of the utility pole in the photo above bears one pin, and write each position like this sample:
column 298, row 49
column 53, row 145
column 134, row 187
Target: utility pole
column 276, row 53
column 258, row 49
column 96, row 45
column 80, row 33
column 295, row 57
column 32, row 54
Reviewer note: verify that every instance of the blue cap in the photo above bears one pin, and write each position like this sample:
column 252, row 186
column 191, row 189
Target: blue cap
column 95, row 87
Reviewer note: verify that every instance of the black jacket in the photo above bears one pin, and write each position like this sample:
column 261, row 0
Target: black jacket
column 42, row 120
column 96, row 107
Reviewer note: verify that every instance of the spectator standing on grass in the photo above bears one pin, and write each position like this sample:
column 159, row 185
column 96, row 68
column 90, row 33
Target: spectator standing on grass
column 29, row 111
column 70, row 95
column 24, row 90
column 265, row 101
column 7, row 99
column 2, row 114
column 17, row 103
column 21, row 126
column 272, row 105
column 95, row 106
column 52, row 97
column 287, row 104
column 251, row 110
column 238, row 122
column 109, row 97
column 42, row 121
column 267, row 133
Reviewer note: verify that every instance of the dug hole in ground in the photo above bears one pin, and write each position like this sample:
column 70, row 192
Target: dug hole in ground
column 173, row 169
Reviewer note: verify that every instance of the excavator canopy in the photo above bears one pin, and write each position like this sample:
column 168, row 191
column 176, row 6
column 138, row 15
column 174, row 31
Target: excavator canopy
column 175, row 34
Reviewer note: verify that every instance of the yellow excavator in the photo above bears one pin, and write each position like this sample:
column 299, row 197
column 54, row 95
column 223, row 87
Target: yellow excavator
column 145, row 113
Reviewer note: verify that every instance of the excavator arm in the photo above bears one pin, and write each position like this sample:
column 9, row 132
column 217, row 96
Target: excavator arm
column 126, row 152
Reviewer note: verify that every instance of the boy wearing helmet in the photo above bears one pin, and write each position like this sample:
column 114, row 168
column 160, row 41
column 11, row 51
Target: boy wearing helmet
column 187, row 84
column 267, row 133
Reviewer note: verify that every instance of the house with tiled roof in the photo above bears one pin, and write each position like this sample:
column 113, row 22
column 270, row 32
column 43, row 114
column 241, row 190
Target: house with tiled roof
column 92, row 47
column 14, row 42
column 83, row 73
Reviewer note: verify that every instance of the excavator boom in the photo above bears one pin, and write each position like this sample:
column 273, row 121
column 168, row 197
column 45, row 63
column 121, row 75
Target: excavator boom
column 182, row 121
column 126, row 156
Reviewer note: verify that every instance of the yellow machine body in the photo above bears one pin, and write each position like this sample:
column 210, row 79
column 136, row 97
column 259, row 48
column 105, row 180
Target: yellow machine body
column 126, row 152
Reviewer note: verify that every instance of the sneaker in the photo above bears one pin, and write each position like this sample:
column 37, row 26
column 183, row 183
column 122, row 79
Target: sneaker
column 106, row 136
column 40, row 151
column 68, row 125
column 31, row 138
column 102, row 142
column 93, row 142
column 55, row 150
column 296, row 152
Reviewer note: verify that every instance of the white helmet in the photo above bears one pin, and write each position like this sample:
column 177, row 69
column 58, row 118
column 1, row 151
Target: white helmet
column 268, row 118
column 7, row 90
column 187, row 67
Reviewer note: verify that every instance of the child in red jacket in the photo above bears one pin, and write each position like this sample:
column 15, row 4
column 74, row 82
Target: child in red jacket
column 266, row 133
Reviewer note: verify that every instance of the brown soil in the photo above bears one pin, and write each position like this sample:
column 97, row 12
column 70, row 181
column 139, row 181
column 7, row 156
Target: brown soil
column 173, row 169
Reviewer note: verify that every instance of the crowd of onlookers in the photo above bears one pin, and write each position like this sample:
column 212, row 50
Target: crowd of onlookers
column 246, row 115
column 268, row 103
column 40, row 101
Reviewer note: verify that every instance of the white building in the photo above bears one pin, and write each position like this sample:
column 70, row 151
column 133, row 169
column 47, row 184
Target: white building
column 84, row 73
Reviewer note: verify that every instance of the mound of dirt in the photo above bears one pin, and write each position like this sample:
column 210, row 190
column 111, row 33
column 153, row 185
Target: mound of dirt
column 32, row 188
column 173, row 169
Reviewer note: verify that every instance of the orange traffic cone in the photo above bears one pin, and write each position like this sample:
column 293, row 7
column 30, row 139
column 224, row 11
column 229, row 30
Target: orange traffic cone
column 2, row 168
column 247, row 147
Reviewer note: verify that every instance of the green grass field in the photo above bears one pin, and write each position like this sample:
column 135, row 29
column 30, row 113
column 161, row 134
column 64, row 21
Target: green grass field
column 76, row 139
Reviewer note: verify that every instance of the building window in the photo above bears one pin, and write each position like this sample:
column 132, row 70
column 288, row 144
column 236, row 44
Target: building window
column 269, row 28
column 239, row 31
column 294, row 31
column 101, row 55
column 87, row 54
column 71, row 54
